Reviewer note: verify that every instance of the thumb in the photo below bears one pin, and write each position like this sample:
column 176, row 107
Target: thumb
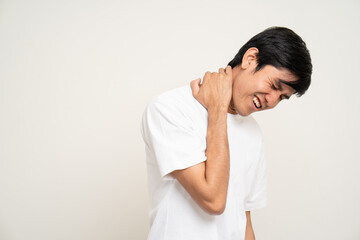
column 195, row 86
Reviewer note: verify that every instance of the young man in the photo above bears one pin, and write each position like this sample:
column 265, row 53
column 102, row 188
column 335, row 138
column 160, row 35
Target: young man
column 205, row 160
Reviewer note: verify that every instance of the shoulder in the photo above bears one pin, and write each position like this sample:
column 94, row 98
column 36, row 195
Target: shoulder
column 180, row 97
column 175, row 104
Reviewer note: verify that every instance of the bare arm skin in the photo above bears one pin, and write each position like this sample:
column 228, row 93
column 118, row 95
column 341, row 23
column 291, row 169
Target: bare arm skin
column 249, row 233
column 207, row 182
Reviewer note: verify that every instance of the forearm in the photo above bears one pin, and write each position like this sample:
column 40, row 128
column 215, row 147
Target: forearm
column 217, row 165
column 207, row 182
column 249, row 232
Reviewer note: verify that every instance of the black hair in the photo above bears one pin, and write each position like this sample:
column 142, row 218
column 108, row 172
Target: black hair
column 282, row 48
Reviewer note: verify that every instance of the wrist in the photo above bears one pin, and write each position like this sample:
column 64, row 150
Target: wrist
column 218, row 110
column 217, row 114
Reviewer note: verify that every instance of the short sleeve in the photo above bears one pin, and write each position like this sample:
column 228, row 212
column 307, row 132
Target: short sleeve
column 171, row 137
column 257, row 197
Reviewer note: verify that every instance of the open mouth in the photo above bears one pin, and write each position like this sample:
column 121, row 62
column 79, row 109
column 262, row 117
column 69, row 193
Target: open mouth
column 257, row 102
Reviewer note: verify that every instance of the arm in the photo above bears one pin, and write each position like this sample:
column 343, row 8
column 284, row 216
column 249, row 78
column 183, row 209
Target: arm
column 249, row 233
column 207, row 182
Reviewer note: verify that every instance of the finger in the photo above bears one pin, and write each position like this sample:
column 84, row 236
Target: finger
column 228, row 70
column 222, row 71
column 206, row 75
column 195, row 86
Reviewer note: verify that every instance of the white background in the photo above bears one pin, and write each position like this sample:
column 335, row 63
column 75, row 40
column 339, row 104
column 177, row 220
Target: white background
column 75, row 77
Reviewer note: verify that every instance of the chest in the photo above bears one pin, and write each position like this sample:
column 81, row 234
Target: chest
column 243, row 146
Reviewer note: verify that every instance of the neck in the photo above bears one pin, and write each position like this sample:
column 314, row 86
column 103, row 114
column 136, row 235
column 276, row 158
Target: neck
column 231, row 108
column 235, row 73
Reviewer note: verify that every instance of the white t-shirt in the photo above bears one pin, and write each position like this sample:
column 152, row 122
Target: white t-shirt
column 174, row 128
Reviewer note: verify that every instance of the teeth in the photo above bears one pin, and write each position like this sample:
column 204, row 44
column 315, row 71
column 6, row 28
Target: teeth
column 256, row 101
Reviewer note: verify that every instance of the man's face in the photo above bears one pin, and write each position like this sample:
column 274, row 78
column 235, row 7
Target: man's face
column 259, row 91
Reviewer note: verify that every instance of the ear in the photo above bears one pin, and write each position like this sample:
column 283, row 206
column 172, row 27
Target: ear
column 249, row 57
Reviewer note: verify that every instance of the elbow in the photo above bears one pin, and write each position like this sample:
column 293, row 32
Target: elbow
column 218, row 210
column 214, row 203
column 215, row 207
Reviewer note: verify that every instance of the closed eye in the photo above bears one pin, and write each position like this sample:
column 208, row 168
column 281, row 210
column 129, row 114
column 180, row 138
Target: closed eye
column 284, row 97
column 278, row 87
column 274, row 87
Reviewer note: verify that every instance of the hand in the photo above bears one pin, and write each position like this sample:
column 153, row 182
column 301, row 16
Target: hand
column 215, row 91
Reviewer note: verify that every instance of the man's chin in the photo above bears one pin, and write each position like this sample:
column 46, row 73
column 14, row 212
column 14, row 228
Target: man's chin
column 243, row 113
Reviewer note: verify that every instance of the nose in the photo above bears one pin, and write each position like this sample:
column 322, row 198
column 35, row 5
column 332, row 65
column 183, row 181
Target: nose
column 272, row 99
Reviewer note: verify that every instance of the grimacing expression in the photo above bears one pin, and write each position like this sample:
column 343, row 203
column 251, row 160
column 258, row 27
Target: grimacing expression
column 261, row 90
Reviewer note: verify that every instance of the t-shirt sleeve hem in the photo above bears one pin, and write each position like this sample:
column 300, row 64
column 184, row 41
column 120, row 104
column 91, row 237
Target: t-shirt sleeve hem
column 257, row 205
column 196, row 159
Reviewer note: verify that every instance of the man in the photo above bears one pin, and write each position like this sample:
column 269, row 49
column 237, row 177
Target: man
column 205, row 160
